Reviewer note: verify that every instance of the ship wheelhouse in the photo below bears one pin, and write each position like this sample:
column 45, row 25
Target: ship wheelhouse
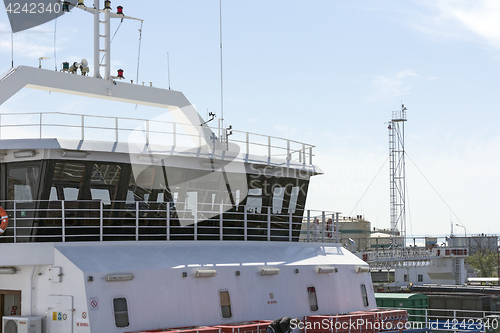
column 55, row 193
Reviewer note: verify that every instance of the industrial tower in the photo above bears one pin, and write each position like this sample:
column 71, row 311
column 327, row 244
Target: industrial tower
column 397, row 174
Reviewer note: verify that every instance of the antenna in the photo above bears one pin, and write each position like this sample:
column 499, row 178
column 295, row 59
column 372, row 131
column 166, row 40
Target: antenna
column 397, row 172
column 168, row 70
column 12, row 46
column 221, row 81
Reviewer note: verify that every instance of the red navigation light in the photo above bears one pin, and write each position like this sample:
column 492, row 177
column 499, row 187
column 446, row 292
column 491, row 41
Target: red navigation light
column 120, row 73
column 119, row 10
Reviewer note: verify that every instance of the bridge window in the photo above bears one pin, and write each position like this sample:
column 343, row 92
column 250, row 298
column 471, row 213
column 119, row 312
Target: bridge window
column 22, row 183
column 67, row 178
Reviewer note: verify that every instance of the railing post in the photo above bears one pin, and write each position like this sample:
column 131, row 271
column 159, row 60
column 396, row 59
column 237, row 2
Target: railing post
column 337, row 231
column 248, row 143
column 63, row 222
column 41, row 125
column 195, row 224
column 268, row 224
column 290, row 227
column 101, row 224
column 245, row 225
column 288, row 155
column 221, row 224
column 308, row 225
column 310, row 155
column 303, row 153
column 147, row 132
column 116, row 129
column 174, row 134
column 15, row 224
column 269, row 146
column 137, row 220
column 83, row 127
column 323, row 226
column 168, row 221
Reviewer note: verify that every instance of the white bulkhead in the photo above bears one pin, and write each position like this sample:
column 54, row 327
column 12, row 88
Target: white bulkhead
column 130, row 286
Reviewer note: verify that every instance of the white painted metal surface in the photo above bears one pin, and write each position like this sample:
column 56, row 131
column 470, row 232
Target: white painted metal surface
column 159, row 295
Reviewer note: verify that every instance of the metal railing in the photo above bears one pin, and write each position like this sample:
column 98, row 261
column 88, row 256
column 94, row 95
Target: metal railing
column 122, row 129
column 451, row 320
column 96, row 220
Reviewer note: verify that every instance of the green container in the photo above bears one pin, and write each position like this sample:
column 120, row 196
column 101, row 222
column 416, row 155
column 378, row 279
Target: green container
column 405, row 301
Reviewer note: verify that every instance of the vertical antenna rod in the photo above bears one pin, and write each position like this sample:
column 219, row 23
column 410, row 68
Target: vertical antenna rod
column 168, row 70
column 221, row 85
column 12, row 46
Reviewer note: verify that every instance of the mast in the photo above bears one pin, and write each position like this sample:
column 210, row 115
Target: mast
column 397, row 173
column 97, row 73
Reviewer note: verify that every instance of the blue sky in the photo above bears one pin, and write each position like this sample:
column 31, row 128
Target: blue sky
column 328, row 73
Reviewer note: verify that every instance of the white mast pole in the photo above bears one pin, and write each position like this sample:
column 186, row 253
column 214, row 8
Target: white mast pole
column 107, row 42
column 97, row 73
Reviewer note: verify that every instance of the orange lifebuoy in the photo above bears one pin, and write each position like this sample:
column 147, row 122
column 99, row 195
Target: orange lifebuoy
column 5, row 220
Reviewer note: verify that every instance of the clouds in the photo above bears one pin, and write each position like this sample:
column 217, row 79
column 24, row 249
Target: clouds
column 461, row 19
column 389, row 86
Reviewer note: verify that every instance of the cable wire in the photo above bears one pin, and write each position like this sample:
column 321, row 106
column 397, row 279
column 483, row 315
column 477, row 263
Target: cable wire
column 439, row 195
column 111, row 41
column 369, row 185
column 139, row 53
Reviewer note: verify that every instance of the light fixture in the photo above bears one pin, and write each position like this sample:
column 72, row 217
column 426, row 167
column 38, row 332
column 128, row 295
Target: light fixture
column 119, row 277
column 184, row 274
column 120, row 74
column 107, row 4
column 24, row 153
column 363, row 269
column 74, row 153
column 7, row 270
column 65, row 6
column 119, row 10
column 270, row 271
column 326, row 269
column 40, row 61
column 206, row 273
column 80, row 3
column 238, row 273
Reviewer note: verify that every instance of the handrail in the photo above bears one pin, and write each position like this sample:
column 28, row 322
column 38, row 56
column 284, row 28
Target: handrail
column 95, row 220
column 276, row 146
column 451, row 320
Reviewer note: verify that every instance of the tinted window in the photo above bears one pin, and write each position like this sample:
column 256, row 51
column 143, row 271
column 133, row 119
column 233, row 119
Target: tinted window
column 23, row 183
column 225, row 304
column 120, row 311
